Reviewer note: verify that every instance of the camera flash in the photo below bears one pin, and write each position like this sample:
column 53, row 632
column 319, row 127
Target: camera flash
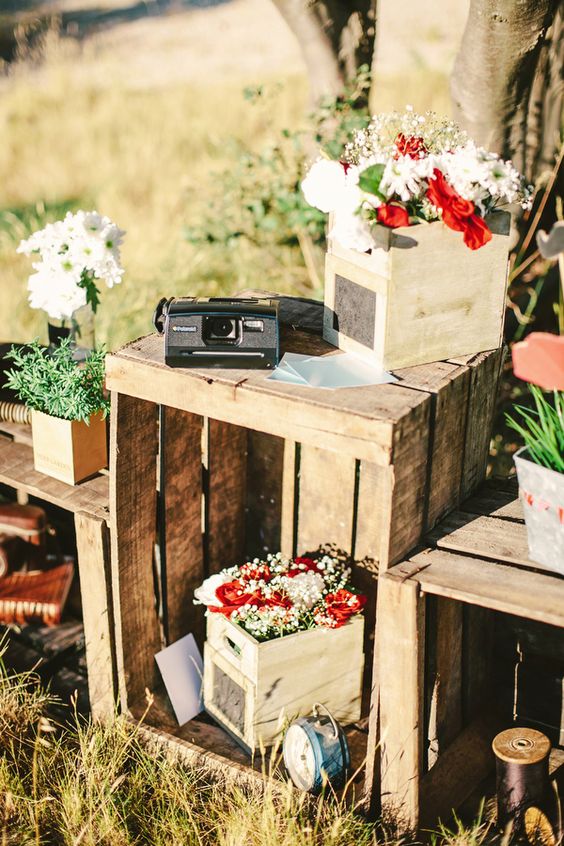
column 254, row 325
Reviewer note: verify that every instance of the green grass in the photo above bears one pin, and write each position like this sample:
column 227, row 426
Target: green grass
column 93, row 784
column 150, row 160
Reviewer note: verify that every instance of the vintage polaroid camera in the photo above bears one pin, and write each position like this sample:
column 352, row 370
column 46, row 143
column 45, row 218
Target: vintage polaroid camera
column 218, row 332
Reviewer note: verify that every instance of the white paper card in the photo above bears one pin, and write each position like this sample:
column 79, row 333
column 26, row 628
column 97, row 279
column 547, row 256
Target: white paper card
column 344, row 370
column 182, row 668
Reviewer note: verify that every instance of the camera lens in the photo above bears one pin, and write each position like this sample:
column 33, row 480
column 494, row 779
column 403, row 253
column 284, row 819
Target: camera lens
column 222, row 327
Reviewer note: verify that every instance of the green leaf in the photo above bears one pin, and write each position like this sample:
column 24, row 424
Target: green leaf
column 369, row 180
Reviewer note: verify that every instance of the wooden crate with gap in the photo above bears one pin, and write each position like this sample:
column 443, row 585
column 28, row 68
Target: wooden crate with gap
column 250, row 465
column 445, row 689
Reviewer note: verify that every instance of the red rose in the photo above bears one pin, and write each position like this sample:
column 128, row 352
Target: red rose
column 458, row 214
column 410, row 145
column 309, row 565
column 343, row 604
column 392, row 215
column 234, row 594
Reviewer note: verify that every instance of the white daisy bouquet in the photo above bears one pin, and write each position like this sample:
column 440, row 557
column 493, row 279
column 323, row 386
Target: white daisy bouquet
column 72, row 256
column 281, row 596
column 407, row 168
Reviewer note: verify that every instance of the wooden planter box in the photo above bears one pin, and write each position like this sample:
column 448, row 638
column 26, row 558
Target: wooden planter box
column 68, row 450
column 420, row 296
column 253, row 688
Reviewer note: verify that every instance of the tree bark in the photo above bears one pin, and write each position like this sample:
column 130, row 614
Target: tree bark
column 336, row 38
column 503, row 45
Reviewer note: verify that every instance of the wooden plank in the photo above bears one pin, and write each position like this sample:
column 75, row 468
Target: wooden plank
column 93, row 547
column 466, row 762
column 359, row 423
column 495, row 503
column 133, row 450
column 401, row 647
column 489, row 537
column 372, row 779
column 537, row 596
column 477, row 660
column 264, row 492
column 225, row 495
column 290, row 483
column 182, row 491
column 486, row 369
column 448, row 669
column 326, row 500
column 17, row 471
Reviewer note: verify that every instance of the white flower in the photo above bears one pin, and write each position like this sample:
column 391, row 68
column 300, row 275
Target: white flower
column 351, row 231
column 325, row 185
column 54, row 289
column 304, row 590
column 405, row 177
column 205, row 594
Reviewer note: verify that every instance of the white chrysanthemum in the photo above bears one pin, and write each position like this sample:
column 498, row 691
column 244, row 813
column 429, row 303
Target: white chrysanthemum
column 55, row 290
column 205, row 594
column 351, row 231
column 405, row 177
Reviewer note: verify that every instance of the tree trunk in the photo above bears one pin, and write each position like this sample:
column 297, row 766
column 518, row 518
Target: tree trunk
column 494, row 96
column 336, row 38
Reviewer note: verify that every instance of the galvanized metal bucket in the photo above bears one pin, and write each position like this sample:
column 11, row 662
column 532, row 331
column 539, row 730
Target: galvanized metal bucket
column 542, row 494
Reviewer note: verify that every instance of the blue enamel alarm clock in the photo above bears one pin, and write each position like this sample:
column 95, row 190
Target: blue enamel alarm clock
column 316, row 750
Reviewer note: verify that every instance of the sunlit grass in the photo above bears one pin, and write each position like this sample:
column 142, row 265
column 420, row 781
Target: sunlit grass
column 148, row 159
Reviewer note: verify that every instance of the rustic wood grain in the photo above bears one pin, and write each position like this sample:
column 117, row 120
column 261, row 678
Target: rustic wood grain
column 289, row 493
column 401, row 648
column 182, row 492
column 500, row 540
column 326, row 500
column 93, row 547
column 17, row 471
column 264, row 493
column 226, row 495
column 133, row 441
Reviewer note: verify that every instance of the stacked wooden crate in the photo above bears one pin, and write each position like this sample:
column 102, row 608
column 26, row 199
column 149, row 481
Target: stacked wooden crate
column 250, row 465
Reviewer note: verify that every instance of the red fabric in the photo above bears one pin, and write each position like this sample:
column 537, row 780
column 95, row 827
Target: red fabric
column 392, row 215
column 458, row 214
column 343, row 604
column 410, row 145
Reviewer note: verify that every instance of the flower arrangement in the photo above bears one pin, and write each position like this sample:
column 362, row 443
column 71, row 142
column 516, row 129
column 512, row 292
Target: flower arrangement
column 280, row 596
column 406, row 168
column 74, row 255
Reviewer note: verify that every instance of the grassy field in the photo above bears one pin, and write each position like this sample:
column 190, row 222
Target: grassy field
column 77, row 135
column 94, row 785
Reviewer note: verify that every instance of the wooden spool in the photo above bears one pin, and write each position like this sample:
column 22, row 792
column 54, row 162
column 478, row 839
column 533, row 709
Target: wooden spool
column 522, row 782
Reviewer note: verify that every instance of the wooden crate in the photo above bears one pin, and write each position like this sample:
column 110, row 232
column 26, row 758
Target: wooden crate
column 419, row 296
column 251, row 465
column 442, row 696
column 252, row 689
column 89, row 504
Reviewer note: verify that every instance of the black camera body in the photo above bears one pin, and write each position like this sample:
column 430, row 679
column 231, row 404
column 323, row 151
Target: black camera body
column 219, row 332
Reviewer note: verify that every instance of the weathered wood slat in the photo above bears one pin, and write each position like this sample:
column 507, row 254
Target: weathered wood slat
column 359, row 423
column 93, row 544
column 500, row 540
column 264, row 494
column 326, row 500
column 288, row 512
column 480, row 582
column 182, row 492
column 16, row 470
column 133, row 476
column 494, row 503
column 225, row 495
column 401, row 649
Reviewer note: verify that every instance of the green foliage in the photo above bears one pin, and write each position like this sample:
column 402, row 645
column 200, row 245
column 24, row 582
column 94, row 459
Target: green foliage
column 51, row 381
column 260, row 199
column 542, row 429
column 370, row 179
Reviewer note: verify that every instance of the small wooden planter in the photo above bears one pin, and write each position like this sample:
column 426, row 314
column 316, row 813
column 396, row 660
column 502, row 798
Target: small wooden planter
column 68, row 450
column 420, row 296
column 252, row 688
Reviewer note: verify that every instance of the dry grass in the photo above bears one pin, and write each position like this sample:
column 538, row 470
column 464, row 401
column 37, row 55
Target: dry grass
column 148, row 158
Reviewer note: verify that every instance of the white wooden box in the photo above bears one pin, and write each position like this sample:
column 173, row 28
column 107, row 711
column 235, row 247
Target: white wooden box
column 251, row 688
column 420, row 296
